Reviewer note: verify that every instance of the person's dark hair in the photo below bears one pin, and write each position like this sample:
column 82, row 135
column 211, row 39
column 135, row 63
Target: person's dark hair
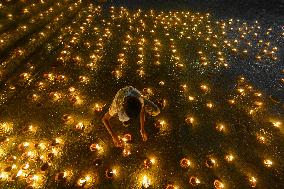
column 132, row 106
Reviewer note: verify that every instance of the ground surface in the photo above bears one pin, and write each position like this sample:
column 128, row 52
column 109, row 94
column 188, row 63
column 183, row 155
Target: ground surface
column 217, row 78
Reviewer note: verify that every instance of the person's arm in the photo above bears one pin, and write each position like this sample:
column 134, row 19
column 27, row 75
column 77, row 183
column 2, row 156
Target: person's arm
column 106, row 122
column 142, row 122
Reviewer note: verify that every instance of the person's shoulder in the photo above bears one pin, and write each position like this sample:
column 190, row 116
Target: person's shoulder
column 128, row 87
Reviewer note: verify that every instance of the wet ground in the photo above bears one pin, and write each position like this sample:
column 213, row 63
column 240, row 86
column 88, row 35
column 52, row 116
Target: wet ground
column 217, row 78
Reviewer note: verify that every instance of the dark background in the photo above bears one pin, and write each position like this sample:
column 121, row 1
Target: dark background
column 241, row 8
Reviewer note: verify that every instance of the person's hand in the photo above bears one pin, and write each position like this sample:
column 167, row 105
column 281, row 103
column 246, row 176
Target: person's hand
column 117, row 142
column 144, row 135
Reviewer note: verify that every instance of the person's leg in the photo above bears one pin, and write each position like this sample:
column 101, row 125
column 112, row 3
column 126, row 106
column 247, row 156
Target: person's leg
column 106, row 122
